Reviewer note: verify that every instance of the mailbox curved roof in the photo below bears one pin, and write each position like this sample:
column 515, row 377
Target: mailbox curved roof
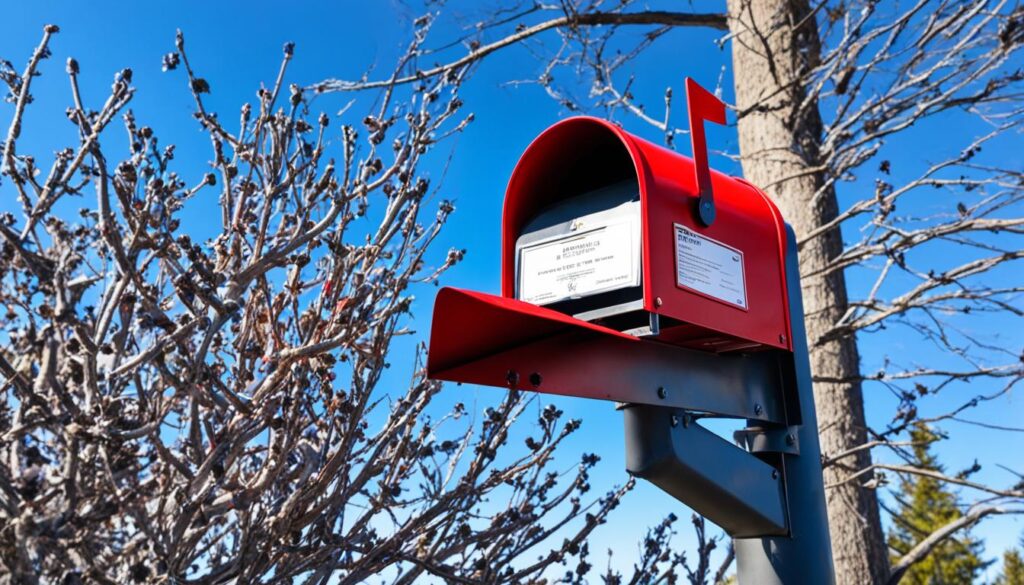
column 582, row 153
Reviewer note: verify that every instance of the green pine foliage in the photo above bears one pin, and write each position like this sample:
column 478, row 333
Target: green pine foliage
column 1013, row 567
column 924, row 505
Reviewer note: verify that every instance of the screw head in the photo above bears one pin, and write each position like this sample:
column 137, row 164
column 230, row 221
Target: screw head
column 782, row 338
column 775, row 474
column 758, row 410
column 512, row 379
column 706, row 211
column 535, row 379
column 790, row 439
column 662, row 393
column 674, row 420
column 657, row 301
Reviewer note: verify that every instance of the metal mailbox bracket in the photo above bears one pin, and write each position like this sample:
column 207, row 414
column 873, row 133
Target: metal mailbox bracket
column 722, row 482
column 768, row 439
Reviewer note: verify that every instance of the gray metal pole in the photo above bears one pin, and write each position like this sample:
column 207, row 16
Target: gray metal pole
column 805, row 555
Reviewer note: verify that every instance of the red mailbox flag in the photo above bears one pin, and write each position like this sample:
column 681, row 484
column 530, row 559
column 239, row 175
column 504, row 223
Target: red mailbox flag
column 702, row 105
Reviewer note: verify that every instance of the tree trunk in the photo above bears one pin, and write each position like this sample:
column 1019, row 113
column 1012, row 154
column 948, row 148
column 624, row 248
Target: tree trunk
column 776, row 42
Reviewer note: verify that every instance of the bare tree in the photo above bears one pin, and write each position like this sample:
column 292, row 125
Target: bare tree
column 820, row 88
column 174, row 410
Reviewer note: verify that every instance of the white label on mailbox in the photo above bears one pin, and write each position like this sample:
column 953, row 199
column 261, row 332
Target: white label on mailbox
column 579, row 264
column 710, row 267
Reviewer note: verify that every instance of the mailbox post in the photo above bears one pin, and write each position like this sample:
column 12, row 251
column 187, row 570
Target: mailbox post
column 633, row 274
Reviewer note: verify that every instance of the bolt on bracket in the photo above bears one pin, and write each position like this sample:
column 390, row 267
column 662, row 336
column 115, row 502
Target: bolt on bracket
column 768, row 440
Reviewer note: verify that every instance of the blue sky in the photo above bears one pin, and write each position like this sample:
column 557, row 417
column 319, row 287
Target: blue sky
column 237, row 46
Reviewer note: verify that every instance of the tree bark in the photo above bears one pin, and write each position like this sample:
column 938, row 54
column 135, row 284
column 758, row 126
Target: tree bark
column 775, row 44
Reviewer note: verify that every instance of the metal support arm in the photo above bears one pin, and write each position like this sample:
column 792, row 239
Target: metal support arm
column 722, row 482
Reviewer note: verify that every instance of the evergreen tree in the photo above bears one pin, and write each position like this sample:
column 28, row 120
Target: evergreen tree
column 1013, row 567
column 924, row 505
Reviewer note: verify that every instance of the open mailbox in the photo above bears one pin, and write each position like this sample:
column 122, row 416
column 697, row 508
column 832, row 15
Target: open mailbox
column 605, row 226
column 608, row 239
column 634, row 274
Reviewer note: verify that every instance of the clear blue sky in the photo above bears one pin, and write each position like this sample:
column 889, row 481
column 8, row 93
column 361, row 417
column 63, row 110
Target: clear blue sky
column 237, row 46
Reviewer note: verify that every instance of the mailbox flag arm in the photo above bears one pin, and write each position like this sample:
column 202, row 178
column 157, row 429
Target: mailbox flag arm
column 701, row 105
column 484, row 339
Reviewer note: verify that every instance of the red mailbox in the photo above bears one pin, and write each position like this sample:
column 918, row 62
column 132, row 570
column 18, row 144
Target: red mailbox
column 615, row 246
column 718, row 287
